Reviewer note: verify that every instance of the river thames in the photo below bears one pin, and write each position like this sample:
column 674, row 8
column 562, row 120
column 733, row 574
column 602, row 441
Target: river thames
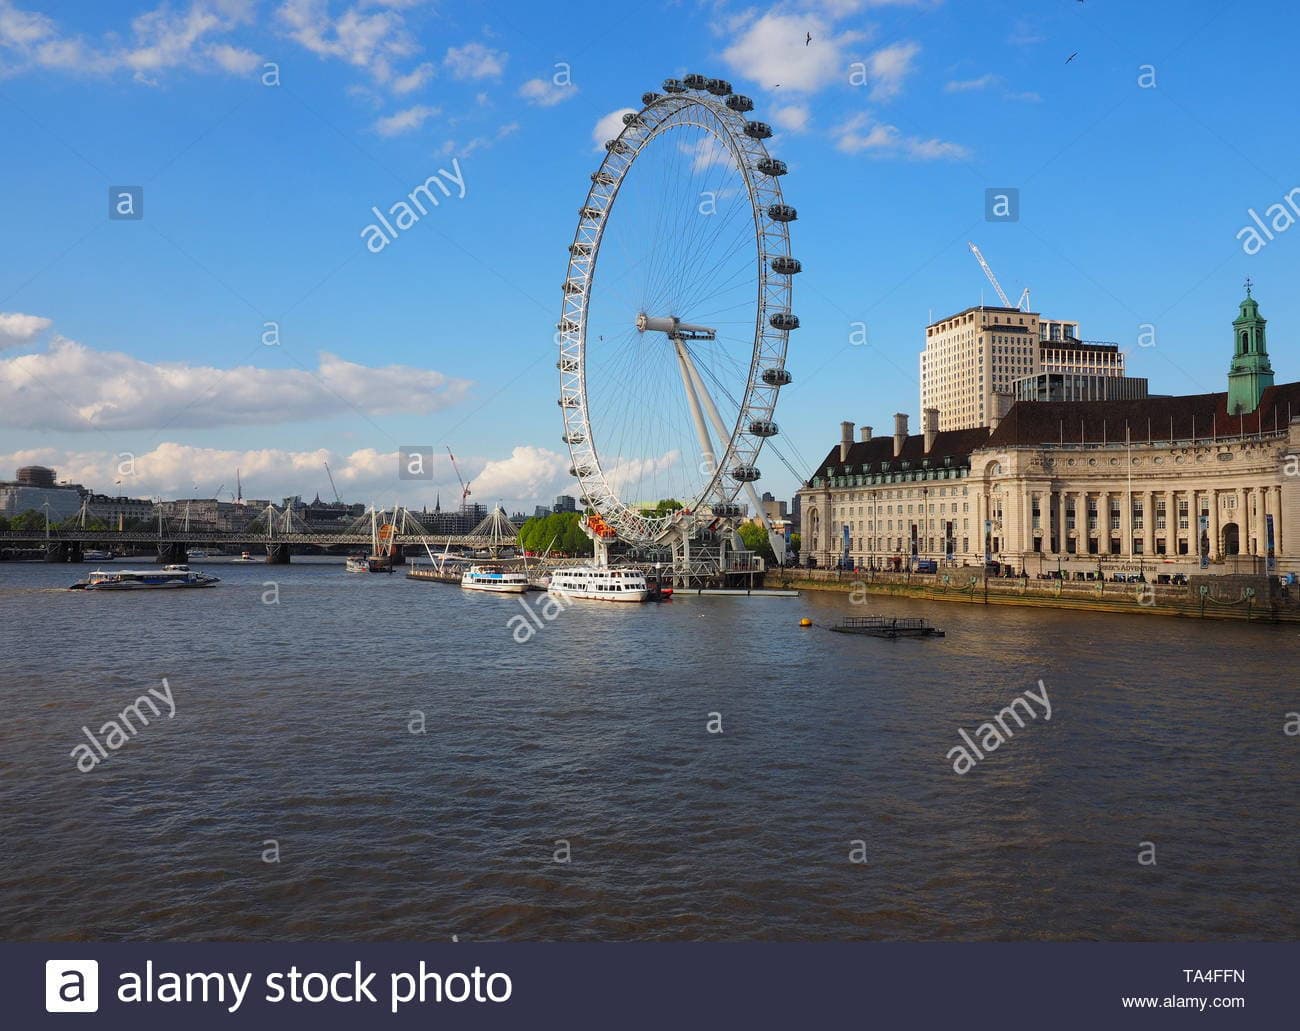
column 570, row 787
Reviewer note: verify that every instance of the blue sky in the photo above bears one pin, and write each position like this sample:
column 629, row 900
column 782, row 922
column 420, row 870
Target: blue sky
column 144, row 338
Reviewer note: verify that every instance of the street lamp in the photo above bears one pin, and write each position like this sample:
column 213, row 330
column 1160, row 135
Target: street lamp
column 925, row 520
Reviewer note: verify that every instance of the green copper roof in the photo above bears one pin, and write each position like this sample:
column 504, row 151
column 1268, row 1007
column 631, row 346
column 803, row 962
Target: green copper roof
column 1250, row 373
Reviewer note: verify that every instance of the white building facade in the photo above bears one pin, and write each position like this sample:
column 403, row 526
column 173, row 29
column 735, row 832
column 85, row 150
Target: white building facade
column 973, row 360
column 1166, row 484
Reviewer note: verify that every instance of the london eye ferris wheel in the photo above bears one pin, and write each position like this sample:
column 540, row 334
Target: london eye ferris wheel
column 676, row 316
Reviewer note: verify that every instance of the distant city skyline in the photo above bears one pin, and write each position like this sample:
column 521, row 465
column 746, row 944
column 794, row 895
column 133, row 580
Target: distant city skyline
column 238, row 312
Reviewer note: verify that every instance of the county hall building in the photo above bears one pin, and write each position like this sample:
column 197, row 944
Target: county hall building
column 1198, row 483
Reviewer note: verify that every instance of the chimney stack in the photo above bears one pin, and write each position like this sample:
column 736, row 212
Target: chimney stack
column 846, row 440
column 900, row 432
column 930, row 422
column 866, row 434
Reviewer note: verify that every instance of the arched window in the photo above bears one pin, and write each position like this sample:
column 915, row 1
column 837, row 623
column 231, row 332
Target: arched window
column 1245, row 340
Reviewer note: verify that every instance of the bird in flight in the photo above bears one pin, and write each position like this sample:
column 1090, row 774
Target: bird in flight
column 808, row 40
column 1072, row 57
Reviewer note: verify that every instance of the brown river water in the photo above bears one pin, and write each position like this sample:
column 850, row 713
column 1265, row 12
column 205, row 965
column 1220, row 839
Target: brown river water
column 576, row 785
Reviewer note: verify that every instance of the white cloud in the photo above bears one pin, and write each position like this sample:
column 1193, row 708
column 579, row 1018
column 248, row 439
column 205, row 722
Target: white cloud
column 475, row 61
column 888, row 67
column 839, row 8
column 159, row 40
column 1025, row 34
column 609, row 126
column 792, row 117
column 529, row 472
column 368, row 39
column 413, row 80
column 368, row 475
column 405, row 121
column 625, row 474
column 71, row 387
column 19, row 28
column 234, row 59
column 544, row 93
column 464, row 150
column 861, row 135
column 708, row 150
column 986, row 81
column 771, row 51
column 16, row 328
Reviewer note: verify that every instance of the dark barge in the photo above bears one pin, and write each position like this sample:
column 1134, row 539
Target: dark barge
column 887, row 626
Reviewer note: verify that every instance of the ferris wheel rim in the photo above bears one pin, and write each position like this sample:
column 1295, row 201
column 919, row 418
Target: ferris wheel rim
column 735, row 466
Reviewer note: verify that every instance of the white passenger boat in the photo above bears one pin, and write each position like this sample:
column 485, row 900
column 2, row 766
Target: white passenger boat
column 600, row 584
column 494, row 578
column 95, row 555
column 144, row 579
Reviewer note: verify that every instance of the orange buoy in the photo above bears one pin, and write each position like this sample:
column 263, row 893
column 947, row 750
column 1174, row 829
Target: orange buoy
column 805, row 621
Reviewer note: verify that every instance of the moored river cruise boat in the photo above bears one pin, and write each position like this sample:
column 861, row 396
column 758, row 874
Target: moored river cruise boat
column 494, row 578
column 599, row 583
column 145, row 579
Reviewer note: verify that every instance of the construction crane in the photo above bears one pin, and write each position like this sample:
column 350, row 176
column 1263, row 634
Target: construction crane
column 1021, row 305
column 337, row 499
column 464, row 487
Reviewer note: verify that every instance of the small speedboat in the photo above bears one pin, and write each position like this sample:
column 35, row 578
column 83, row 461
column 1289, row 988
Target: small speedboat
column 96, row 555
column 145, row 579
column 244, row 556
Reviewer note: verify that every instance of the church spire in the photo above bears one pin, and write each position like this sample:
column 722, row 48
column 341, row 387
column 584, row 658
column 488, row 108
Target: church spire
column 1250, row 374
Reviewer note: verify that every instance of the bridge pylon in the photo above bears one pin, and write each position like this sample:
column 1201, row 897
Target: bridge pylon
column 173, row 553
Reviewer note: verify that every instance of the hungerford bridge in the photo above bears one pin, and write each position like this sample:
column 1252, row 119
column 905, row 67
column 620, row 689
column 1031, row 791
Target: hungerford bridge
column 277, row 530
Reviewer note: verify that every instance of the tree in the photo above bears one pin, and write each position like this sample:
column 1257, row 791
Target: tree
column 32, row 519
column 558, row 531
column 664, row 506
column 796, row 543
column 754, row 537
column 575, row 541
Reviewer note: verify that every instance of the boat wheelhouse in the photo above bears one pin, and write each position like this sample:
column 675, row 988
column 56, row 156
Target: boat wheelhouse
column 598, row 583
